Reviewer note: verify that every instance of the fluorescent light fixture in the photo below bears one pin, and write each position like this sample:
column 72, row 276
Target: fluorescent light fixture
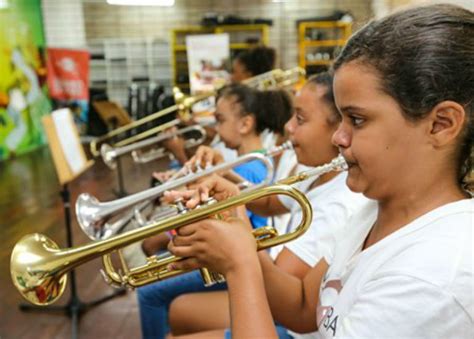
column 163, row 3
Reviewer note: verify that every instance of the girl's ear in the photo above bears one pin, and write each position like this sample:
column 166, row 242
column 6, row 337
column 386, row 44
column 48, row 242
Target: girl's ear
column 247, row 124
column 446, row 122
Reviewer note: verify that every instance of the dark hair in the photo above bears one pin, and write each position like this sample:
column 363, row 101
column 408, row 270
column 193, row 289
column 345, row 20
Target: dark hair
column 271, row 109
column 275, row 109
column 423, row 56
column 326, row 79
column 258, row 60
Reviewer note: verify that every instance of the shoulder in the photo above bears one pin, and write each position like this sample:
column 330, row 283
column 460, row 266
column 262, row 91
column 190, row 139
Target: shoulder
column 437, row 252
column 405, row 307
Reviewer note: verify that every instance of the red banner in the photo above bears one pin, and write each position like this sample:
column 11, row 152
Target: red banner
column 68, row 74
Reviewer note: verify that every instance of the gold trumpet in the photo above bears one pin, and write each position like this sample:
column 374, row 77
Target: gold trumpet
column 182, row 106
column 276, row 78
column 39, row 268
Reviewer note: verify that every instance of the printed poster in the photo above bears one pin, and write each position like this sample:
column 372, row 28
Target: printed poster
column 208, row 57
column 68, row 82
column 23, row 90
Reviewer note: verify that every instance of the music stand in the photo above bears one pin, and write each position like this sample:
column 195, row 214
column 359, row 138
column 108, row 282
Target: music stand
column 70, row 162
column 114, row 116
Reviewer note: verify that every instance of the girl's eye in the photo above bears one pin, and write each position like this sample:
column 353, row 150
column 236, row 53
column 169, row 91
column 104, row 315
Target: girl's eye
column 356, row 121
column 299, row 119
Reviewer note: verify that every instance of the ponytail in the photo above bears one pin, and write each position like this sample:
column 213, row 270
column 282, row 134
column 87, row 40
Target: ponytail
column 275, row 109
column 271, row 109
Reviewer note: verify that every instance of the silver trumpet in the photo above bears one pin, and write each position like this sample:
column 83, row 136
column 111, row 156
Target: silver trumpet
column 92, row 215
column 110, row 154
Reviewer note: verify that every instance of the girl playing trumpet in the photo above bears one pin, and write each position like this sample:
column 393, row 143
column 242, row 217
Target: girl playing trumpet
column 333, row 204
column 241, row 117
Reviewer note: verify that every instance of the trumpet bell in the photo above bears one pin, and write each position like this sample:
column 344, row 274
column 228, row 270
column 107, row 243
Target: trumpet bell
column 87, row 208
column 108, row 156
column 31, row 264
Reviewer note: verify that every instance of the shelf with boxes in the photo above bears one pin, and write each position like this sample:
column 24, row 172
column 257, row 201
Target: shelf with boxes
column 117, row 63
column 319, row 42
column 241, row 37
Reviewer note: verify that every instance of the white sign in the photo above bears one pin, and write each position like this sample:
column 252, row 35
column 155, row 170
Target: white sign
column 208, row 56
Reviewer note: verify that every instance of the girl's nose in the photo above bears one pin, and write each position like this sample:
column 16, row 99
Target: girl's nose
column 342, row 136
column 290, row 125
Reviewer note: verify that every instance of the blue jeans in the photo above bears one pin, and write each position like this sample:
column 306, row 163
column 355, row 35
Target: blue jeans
column 281, row 331
column 154, row 301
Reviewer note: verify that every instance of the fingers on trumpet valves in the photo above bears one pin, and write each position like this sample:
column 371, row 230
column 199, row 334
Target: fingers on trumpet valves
column 189, row 198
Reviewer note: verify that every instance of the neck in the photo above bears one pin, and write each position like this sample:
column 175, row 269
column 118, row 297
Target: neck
column 401, row 209
column 323, row 179
column 249, row 144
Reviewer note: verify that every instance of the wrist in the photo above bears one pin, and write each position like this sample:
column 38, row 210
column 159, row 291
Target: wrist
column 247, row 266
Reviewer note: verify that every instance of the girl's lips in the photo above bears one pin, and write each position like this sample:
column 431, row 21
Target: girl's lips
column 350, row 162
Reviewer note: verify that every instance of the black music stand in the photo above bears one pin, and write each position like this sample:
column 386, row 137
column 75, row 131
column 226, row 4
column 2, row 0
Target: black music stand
column 74, row 307
column 120, row 192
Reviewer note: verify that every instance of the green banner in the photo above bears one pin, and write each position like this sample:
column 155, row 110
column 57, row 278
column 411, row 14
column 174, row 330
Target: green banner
column 23, row 91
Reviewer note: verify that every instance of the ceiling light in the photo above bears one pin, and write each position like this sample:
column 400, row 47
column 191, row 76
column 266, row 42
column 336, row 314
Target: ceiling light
column 164, row 3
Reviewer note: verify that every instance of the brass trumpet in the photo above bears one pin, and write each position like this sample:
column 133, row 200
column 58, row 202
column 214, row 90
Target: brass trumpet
column 182, row 106
column 110, row 154
column 93, row 215
column 39, row 268
column 276, row 78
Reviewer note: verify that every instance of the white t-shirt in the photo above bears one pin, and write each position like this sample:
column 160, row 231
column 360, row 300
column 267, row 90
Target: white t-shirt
column 333, row 204
column 227, row 153
column 415, row 283
column 268, row 139
column 285, row 165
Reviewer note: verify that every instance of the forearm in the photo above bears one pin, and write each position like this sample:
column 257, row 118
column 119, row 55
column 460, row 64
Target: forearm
column 267, row 207
column 292, row 300
column 249, row 309
column 180, row 155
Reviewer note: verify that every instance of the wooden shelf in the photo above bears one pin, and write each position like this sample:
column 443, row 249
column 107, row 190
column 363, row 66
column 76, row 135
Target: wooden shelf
column 320, row 37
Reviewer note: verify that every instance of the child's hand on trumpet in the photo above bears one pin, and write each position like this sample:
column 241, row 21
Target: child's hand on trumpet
column 213, row 186
column 204, row 157
column 222, row 246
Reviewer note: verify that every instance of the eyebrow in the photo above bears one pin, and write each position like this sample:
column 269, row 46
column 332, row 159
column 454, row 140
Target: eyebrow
column 350, row 108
